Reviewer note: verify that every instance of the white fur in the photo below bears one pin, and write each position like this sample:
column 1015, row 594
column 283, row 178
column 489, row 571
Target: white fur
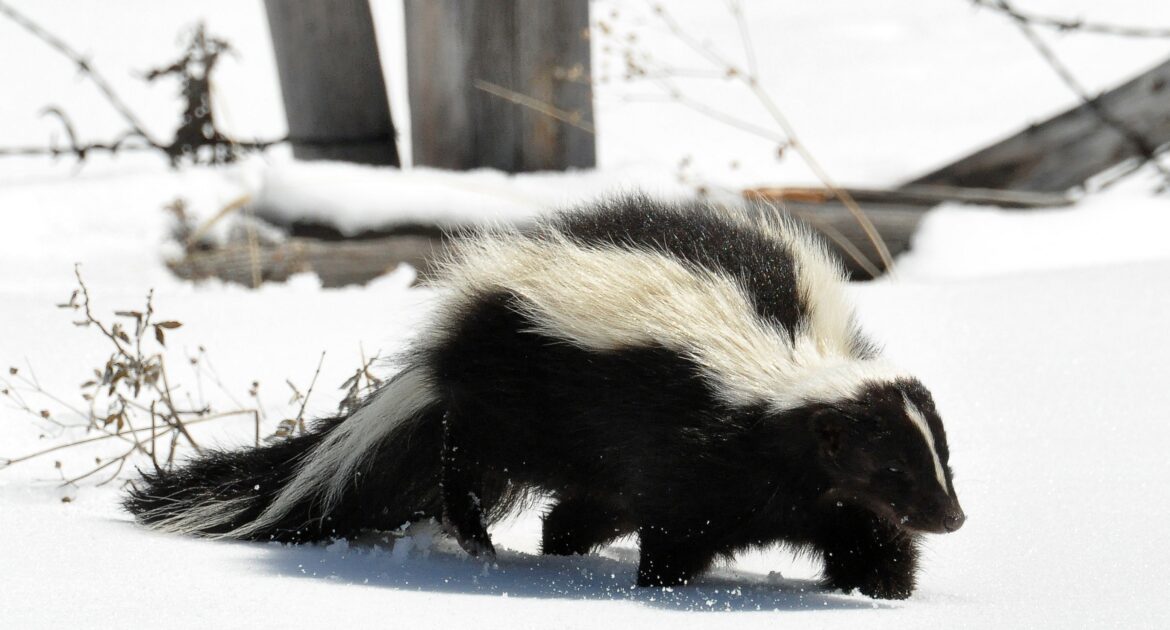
column 332, row 465
column 608, row 297
column 919, row 421
column 820, row 280
column 192, row 517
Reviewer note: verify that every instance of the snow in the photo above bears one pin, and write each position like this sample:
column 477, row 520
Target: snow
column 1041, row 333
column 355, row 198
column 965, row 241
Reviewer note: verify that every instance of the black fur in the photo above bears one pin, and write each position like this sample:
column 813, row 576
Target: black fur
column 402, row 486
column 763, row 267
column 627, row 441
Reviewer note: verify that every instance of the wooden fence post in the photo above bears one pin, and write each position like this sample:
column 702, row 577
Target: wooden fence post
column 331, row 80
column 536, row 49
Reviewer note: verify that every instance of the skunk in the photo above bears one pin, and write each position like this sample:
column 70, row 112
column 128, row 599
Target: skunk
column 688, row 374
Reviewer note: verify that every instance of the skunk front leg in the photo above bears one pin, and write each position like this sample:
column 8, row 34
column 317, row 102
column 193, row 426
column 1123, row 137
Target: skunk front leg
column 863, row 552
column 461, row 485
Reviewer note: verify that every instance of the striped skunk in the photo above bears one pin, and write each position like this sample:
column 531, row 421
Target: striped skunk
column 688, row 374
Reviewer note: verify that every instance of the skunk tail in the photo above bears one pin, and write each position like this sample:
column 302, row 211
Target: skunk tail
column 376, row 469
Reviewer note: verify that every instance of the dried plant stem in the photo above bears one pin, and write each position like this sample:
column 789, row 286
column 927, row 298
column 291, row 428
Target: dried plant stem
column 119, row 460
column 205, row 227
column 751, row 80
column 1065, row 24
column 308, row 393
column 841, row 240
column 174, row 418
column 571, row 118
column 121, row 434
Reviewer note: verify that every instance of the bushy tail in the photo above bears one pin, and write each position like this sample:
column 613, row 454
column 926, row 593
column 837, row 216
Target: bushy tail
column 376, row 469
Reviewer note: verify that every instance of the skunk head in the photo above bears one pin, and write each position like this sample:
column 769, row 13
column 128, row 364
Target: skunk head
column 885, row 450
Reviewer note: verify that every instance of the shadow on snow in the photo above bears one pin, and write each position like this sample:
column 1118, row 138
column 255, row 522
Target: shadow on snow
column 438, row 565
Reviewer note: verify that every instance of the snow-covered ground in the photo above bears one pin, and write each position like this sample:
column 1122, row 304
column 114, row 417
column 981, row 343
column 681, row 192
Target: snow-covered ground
column 1042, row 334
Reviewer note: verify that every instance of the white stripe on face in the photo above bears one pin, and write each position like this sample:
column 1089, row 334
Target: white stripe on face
column 920, row 421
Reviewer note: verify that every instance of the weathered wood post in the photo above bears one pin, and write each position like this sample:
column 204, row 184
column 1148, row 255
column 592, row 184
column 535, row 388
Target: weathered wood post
column 535, row 49
column 331, row 80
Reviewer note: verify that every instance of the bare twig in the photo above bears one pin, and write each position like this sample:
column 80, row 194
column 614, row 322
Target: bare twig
column 84, row 66
column 1141, row 146
column 308, row 393
column 571, row 118
column 1075, row 24
column 121, row 434
column 750, row 78
column 842, row 241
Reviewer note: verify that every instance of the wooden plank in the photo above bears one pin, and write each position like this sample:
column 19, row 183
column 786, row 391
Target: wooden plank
column 531, row 47
column 896, row 223
column 1065, row 151
column 331, row 81
column 337, row 263
column 924, row 195
column 895, row 213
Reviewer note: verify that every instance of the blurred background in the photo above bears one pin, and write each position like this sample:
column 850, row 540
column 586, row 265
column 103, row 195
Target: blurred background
column 805, row 105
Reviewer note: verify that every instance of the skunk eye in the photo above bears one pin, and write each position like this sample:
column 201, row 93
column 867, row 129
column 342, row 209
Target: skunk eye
column 897, row 472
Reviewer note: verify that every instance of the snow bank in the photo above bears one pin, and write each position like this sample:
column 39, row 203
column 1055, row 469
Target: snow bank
column 355, row 198
column 964, row 241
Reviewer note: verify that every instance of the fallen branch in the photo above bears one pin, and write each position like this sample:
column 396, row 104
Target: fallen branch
column 1075, row 24
column 85, row 67
column 1139, row 144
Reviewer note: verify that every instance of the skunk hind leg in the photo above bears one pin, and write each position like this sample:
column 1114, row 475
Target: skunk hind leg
column 462, row 492
column 577, row 524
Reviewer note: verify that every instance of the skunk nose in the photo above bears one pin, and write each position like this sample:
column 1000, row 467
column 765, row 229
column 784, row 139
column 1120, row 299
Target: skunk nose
column 954, row 521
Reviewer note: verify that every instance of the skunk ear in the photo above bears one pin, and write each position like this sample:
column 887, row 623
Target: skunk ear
column 830, row 429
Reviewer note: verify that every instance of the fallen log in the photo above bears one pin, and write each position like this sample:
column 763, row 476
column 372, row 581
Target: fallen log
column 336, row 263
column 895, row 214
column 914, row 195
column 1065, row 151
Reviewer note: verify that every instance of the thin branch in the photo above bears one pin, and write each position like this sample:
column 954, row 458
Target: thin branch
column 119, row 460
column 121, row 434
column 570, row 118
column 1076, row 24
column 173, row 418
column 83, row 65
column 89, row 318
column 309, row 392
column 1137, row 141
column 745, row 35
column 841, row 241
column 752, row 81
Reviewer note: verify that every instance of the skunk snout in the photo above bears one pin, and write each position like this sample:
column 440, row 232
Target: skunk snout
column 954, row 520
